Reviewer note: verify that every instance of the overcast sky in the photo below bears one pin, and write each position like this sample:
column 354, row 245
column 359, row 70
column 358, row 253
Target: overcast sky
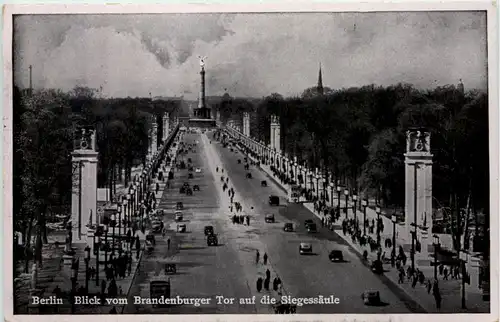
column 249, row 54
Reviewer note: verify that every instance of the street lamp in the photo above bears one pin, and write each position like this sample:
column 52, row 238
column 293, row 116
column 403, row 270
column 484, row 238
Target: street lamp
column 378, row 211
column 106, row 228
column 463, row 259
column 394, row 220
column 436, row 245
column 339, row 190
column 74, row 277
column 346, row 193
column 120, row 221
column 355, row 200
column 311, row 180
column 87, row 260
column 364, row 203
column 97, row 246
column 331, row 194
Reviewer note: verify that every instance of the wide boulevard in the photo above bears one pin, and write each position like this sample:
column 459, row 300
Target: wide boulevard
column 230, row 268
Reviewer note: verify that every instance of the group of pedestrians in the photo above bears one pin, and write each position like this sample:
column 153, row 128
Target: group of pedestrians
column 241, row 219
column 265, row 283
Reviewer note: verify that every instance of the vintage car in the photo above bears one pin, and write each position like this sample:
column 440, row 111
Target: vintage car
column 209, row 230
column 269, row 218
column 181, row 228
column 305, row 248
column 189, row 191
column 179, row 205
column 307, row 222
column 186, row 184
column 151, row 238
column 156, row 226
column 190, row 176
column 212, row 240
column 197, row 170
column 371, row 297
column 189, row 160
column 170, row 269
column 249, row 175
column 196, row 187
column 274, row 200
column 182, row 189
column 311, row 228
column 263, row 183
column 377, row 267
column 178, row 216
column 190, row 169
column 336, row 256
column 288, row 227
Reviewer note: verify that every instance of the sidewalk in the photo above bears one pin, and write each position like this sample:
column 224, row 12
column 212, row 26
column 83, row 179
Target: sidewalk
column 450, row 289
column 54, row 274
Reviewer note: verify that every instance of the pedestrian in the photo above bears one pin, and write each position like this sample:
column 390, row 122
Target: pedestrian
column 265, row 260
column 401, row 277
column 275, row 284
column 168, row 243
column 248, row 220
column 266, row 283
column 445, row 273
column 259, row 284
column 103, row 290
column 257, row 257
column 429, row 286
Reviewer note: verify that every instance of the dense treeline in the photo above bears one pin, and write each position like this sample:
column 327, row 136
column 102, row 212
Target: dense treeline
column 44, row 123
column 358, row 134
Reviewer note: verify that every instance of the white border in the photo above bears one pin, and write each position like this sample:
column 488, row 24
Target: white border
column 492, row 23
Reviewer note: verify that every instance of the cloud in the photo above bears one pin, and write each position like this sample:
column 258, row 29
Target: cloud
column 250, row 54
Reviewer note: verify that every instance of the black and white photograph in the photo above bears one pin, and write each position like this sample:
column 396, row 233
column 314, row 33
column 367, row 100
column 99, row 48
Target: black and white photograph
column 218, row 161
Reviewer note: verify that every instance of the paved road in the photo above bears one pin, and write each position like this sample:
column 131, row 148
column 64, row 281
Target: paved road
column 202, row 271
column 307, row 276
column 230, row 268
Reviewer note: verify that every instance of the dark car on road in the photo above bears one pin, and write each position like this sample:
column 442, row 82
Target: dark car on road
column 377, row 267
column 288, row 227
column 209, row 230
column 212, row 240
column 263, row 183
column 307, row 222
column 336, row 256
column 196, row 187
column 182, row 189
column 269, row 218
column 186, row 185
column 179, row 205
column 274, row 201
column 249, row 175
column 190, row 176
column 311, row 228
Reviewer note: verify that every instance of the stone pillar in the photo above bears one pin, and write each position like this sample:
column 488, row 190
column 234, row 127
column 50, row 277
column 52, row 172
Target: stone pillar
column 201, row 100
column 275, row 133
column 84, row 187
column 246, row 124
column 154, row 136
column 418, row 186
column 166, row 125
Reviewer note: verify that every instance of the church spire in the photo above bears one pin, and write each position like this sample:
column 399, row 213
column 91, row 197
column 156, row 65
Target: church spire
column 320, row 81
